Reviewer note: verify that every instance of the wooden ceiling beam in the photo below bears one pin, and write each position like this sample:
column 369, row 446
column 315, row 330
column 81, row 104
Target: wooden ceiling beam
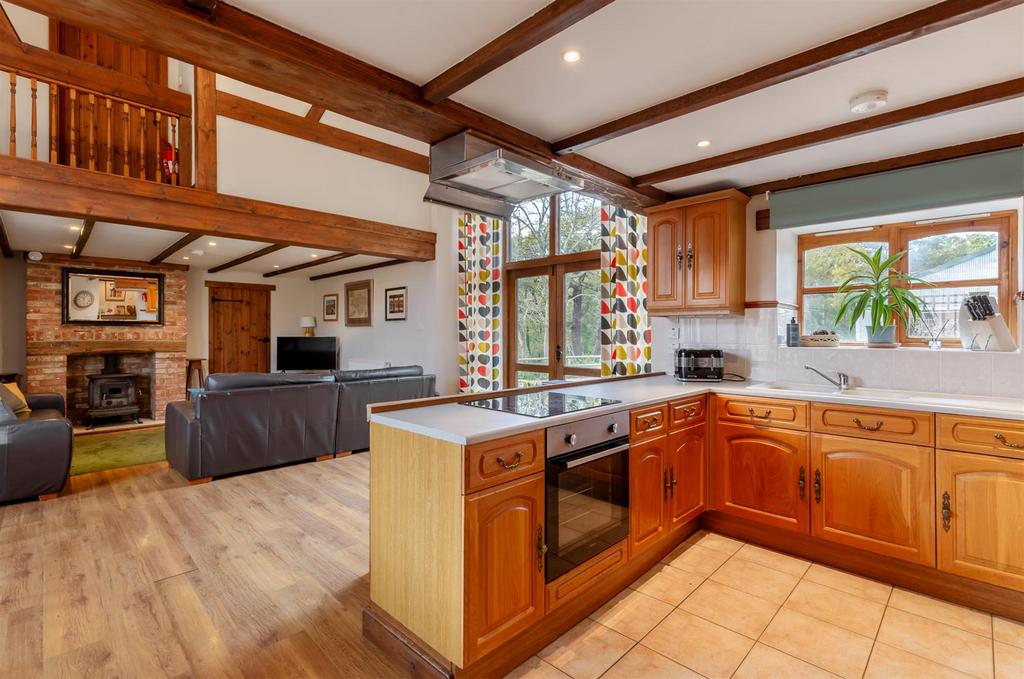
column 83, row 238
column 902, row 29
column 973, row 148
column 315, row 113
column 962, row 101
column 549, row 21
column 233, row 41
column 7, row 28
column 262, row 252
column 308, row 265
column 177, row 245
column 304, row 127
column 5, row 244
column 357, row 269
column 31, row 186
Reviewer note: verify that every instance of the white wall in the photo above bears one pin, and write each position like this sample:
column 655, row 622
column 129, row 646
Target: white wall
column 12, row 314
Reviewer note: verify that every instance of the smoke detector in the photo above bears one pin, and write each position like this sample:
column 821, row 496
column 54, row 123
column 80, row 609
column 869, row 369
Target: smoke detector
column 869, row 101
column 198, row 253
column 35, row 256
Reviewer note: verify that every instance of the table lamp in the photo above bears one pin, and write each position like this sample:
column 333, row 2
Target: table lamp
column 307, row 323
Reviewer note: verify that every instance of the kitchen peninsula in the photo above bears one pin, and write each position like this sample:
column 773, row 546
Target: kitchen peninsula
column 492, row 533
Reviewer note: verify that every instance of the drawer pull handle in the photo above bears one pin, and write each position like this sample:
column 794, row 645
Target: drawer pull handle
column 542, row 548
column 1002, row 439
column 947, row 512
column 802, row 482
column 690, row 412
column 817, row 486
column 875, row 427
column 767, row 414
column 515, row 461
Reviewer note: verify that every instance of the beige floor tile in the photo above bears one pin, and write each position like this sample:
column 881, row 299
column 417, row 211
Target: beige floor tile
column 889, row 662
column 719, row 543
column 668, row 584
column 632, row 613
column 535, row 668
column 849, row 583
column 702, row 646
column 819, row 643
column 1009, row 661
column 752, row 578
column 775, row 560
column 730, row 608
column 765, row 662
column 696, row 559
column 643, row 663
column 587, row 650
column 942, row 611
column 1008, row 631
column 944, row 644
column 839, row 608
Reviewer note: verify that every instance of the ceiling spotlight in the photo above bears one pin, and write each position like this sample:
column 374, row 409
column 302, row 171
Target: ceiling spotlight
column 314, row 255
column 277, row 266
column 571, row 56
column 704, row 143
column 869, row 101
column 185, row 257
column 69, row 247
column 75, row 227
column 212, row 243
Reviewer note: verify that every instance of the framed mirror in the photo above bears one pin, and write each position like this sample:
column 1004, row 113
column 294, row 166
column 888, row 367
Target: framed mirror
column 105, row 297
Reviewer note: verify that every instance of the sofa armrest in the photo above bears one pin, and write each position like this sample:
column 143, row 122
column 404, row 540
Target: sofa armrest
column 181, row 439
column 46, row 402
column 35, row 456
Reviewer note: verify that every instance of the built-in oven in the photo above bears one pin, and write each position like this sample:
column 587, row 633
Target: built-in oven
column 587, row 494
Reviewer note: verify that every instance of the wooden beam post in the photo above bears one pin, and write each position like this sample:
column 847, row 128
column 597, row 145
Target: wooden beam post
column 206, row 129
column 83, row 238
column 262, row 252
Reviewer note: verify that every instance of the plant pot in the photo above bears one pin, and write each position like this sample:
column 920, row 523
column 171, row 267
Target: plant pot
column 883, row 337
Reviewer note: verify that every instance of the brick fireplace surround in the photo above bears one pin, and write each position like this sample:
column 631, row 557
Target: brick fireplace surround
column 49, row 343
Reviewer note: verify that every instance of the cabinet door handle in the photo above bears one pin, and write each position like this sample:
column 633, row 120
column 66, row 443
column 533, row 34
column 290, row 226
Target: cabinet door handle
column 674, row 481
column 817, row 486
column 947, row 512
column 689, row 256
column 515, row 461
column 1002, row 439
column 875, row 427
column 542, row 548
column 668, row 486
column 802, row 482
column 767, row 414
column 679, row 257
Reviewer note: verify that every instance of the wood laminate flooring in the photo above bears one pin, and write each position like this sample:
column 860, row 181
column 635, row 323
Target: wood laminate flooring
column 133, row 574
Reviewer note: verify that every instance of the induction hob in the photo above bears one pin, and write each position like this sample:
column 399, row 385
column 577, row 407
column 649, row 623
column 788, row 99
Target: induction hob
column 542, row 403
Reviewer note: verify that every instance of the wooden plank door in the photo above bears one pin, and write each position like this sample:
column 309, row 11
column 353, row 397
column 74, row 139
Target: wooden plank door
column 706, row 254
column 239, row 324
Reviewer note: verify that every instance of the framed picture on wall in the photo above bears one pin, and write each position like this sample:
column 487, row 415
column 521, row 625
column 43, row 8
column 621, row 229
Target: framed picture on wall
column 358, row 303
column 331, row 307
column 111, row 293
column 394, row 304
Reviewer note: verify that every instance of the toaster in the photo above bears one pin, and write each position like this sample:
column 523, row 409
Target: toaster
column 700, row 365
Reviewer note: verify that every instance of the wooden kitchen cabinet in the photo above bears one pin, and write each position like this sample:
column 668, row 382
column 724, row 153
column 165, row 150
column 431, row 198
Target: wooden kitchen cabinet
column 687, row 474
column 697, row 255
column 874, row 495
column 504, row 563
column 761, row 474
column 648, row 493
column 979, row 504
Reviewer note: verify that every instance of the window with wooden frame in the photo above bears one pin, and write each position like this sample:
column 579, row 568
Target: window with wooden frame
column 956, row 257
column 553, row 290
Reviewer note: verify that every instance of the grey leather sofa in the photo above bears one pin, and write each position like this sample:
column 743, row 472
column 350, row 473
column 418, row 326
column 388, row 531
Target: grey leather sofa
column 247, row 421
column 35, row 448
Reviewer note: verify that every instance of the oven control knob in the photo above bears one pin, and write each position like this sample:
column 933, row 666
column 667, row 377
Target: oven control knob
column 570, row 439
column 613, row 428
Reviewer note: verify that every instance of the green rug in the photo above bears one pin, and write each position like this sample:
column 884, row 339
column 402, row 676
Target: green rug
column 99, row 452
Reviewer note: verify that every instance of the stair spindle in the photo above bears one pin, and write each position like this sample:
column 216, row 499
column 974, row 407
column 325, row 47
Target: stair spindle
column 158, row 173
column 35, row 125
column 14, row 111
column 142, row 143
column 73, row 131
column 92, row 131
column 174, row 151
column 126, row 170
column 53, row 123
column 110, row 136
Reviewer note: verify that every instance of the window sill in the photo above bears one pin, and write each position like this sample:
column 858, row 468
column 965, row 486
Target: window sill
column 912, row 348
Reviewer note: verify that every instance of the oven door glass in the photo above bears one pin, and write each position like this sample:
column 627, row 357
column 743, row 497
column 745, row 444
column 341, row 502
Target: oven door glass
column 587, row 506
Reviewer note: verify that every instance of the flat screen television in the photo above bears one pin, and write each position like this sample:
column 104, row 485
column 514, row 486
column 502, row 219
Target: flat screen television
column 307, row 353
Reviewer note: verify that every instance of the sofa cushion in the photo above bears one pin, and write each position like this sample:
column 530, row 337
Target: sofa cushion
column 11, row 395
column 6, row 414
column 378, row 373
column 231, row 381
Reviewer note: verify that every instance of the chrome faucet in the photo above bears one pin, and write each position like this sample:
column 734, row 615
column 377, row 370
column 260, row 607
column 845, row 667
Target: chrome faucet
column 843, row 381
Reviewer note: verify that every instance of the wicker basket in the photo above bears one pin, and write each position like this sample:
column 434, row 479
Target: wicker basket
column 819, row 340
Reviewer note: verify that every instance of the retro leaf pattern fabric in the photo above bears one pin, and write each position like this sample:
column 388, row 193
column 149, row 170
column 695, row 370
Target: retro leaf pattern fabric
column 625, row 327
column 479, row 304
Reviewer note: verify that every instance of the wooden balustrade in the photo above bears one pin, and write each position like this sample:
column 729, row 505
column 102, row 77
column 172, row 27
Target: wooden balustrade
column 100, row 132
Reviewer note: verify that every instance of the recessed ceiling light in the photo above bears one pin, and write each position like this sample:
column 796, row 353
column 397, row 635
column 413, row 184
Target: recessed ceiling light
column 185, row 257
column 571, row 56
column 212, row 243
column 69, row 247
column 75, row 227
column 314, row 255
column 872, row 100
column 704, row 143
column 277, row 266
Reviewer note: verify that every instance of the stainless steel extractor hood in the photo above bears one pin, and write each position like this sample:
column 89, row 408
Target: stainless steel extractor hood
column 466, row 164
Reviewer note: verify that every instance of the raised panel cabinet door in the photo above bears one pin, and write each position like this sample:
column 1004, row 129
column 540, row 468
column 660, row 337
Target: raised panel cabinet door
column 874, row 495
column 762, row 475
column 706, row 255
column 504, row 563
column 979, row 505
column 648, row 493
column 687, row 460
column 666, row 260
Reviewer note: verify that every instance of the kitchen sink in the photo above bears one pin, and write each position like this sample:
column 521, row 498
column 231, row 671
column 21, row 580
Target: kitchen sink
column 797, row 386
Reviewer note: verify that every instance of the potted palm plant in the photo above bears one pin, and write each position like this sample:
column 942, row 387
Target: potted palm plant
column 879, row 292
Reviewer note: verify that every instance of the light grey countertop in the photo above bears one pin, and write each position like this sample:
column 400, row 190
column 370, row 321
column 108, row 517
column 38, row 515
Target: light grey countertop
column 464, row 424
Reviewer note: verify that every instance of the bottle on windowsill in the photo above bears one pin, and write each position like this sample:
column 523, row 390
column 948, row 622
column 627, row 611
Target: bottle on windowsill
column 793, row 333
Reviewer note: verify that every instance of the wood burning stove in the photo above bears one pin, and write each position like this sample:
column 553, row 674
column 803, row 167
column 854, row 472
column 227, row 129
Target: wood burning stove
column 112, row 393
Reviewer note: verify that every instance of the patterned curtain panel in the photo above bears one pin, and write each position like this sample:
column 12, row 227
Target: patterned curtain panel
column 480, row 298
column 625, row 330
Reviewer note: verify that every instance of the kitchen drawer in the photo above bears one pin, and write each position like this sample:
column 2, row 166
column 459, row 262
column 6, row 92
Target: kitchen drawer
column 762, row 412
column 501, row 460
column 646, row 422
column 578, row 580
column 686, row 411
column 982, row 435
column 880, row 424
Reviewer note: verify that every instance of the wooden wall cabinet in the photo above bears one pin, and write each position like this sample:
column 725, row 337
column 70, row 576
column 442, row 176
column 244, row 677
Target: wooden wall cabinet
column 697, row 255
